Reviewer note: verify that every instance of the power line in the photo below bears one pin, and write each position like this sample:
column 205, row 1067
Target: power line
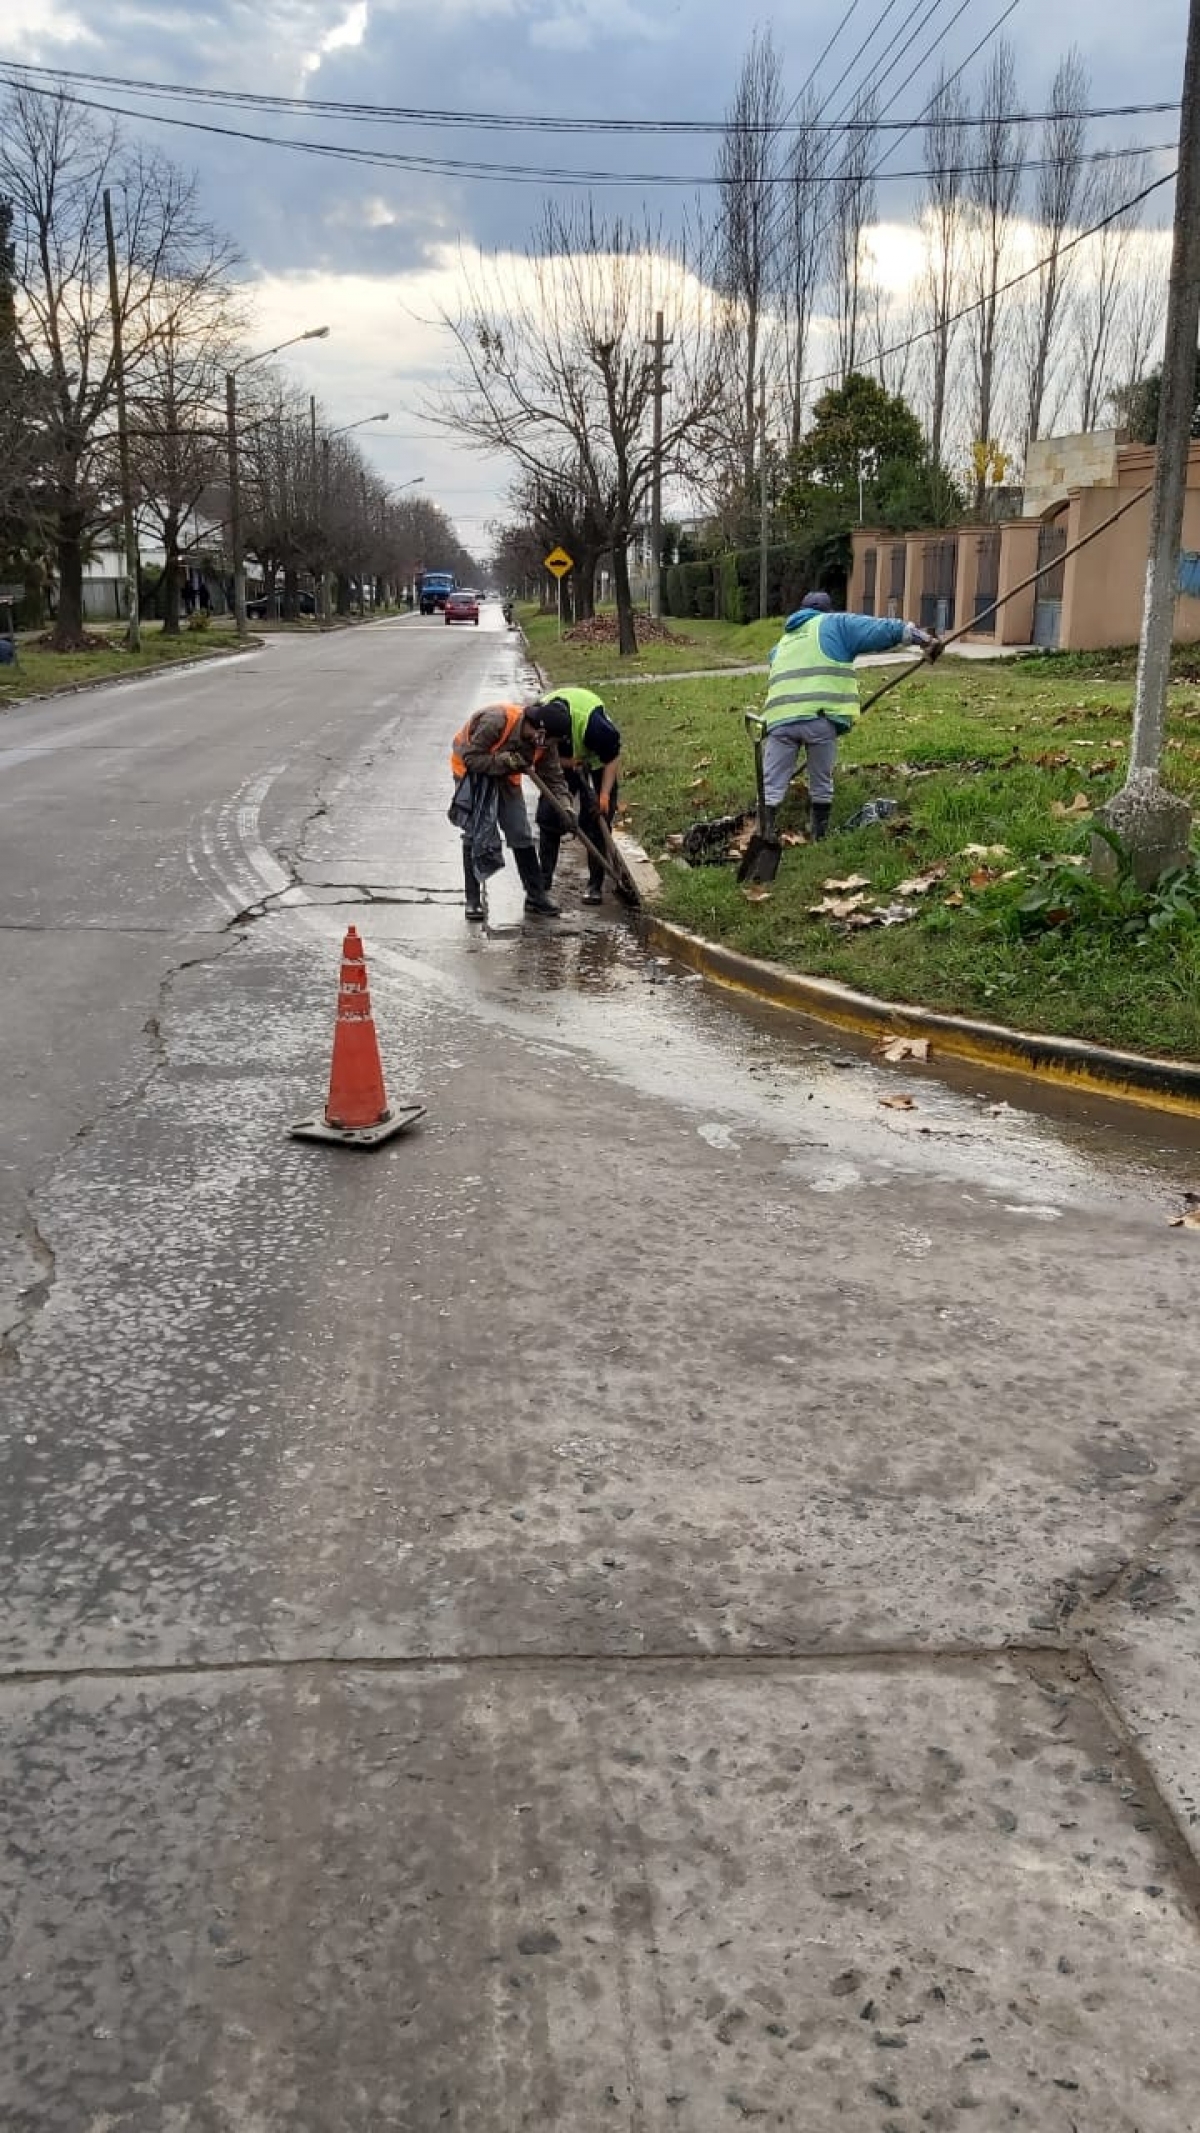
column 524, row 174
column 496, row 121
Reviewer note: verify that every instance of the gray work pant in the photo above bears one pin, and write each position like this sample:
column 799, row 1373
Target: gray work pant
column 513, row 816
column 819, row 738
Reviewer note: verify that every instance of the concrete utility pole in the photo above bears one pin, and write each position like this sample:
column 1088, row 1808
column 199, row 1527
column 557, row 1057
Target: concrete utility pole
column 764, row 530
column 660, row 345
column 133, row 634
column 1153, row 824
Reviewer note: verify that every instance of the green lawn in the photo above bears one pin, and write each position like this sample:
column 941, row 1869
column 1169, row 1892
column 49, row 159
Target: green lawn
column 700, row 644
column 977, row 753
column 39, row 672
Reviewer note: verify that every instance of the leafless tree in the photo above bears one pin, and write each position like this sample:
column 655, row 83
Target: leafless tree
column 994, row 192
column 1141, row 322
column 943, row 224
column 553, row 366
column 1102, row 284
column 1061, row 195
column 177, row 445
column 55, row 163
column 801, row 252
column 854, row 196
column 747, row 170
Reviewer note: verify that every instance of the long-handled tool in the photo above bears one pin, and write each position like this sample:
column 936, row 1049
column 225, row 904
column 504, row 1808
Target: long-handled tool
column 610, row 859
column 760, row 860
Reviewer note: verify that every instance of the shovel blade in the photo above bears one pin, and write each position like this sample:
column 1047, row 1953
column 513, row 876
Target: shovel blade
column 760, row 860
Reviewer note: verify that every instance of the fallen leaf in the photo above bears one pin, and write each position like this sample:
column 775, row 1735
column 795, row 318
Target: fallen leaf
column 702, row 762
column 1103, row 769
column 983, row 877
column 896, row 915
column 984, row 851
column 837, row 906
column 897, row 1103
column 696, row 784
column 1053, row 759
column 849, row 881
column 757, row 895
column 921, row 884
column 1189, row 1221
column 955, row 900
column 895, row 1049
column 790, row 837
column 1080, row 805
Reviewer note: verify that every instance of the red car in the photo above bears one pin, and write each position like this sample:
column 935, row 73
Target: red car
column 462, row 607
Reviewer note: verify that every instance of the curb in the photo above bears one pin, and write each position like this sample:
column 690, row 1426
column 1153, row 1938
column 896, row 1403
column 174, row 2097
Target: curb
column 122, row 681
column 1069, row 1062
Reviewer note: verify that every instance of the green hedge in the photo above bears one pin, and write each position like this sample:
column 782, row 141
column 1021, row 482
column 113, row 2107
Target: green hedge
column 727, row 585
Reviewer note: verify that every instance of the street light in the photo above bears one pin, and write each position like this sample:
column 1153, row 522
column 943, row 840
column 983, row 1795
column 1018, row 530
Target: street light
column 327, row 439
column 314, row 333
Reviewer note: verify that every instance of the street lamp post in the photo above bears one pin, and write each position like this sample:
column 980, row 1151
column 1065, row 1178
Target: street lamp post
column 314, row 333
column 326, row 441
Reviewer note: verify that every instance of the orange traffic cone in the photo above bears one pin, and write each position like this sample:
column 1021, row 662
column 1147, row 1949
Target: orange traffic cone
column 357, row 1110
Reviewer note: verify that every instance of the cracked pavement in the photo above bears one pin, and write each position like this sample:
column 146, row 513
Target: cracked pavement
column 665, row 1598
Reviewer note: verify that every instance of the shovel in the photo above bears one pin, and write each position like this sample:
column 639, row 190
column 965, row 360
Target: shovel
column 606, row 855
column 760, row 860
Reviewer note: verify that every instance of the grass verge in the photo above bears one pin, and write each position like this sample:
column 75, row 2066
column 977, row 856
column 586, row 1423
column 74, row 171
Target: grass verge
column 695, row 645
column 976, row 753
column 43, row 673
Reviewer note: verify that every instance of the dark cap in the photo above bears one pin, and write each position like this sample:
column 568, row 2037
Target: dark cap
column 818, row 600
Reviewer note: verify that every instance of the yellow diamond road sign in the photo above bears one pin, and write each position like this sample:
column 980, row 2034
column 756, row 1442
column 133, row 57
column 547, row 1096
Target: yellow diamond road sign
column 559, row 562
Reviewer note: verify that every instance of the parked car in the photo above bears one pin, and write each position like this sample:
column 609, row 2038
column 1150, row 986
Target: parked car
column 259, row 609
column 462, row 606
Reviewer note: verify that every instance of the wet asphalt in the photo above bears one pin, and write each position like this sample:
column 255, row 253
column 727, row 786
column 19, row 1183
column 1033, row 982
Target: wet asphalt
column 665, row 1597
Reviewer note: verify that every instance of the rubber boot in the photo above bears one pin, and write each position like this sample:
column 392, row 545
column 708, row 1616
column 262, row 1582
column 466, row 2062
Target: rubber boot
column 822, row 811
column 537, row 903
column 473, row 888
column 769, row 815
column 549, row 846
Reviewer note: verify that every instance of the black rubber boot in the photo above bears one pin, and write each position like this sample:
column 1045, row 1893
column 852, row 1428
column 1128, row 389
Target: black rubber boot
column 822, row 811
column 549, row 846
column 537, row 903
column 473, row 888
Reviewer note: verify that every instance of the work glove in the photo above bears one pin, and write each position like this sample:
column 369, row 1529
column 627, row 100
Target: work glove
column 935, row 648
column 507, row 761
column 913, row 634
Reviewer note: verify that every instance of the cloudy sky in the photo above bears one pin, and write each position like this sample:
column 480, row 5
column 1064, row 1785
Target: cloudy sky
column 372, row 251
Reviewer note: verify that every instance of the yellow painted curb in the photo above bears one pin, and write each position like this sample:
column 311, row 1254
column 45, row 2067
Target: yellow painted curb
column 1069, row 1062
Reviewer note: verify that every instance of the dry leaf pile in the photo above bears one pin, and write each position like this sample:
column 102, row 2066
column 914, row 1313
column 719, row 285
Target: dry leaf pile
column 1190, row 1217
column 603, row 630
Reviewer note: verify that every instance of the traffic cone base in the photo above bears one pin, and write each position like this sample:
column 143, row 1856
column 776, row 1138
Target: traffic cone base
column 397, row 1121
column 357, row 1112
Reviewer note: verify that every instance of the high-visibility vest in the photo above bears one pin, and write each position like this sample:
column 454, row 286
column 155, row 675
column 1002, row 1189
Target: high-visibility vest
column 581, row 703
column 806, row 683
column 513, row 714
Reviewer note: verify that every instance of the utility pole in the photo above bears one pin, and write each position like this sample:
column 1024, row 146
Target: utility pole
column 1154, row 824
column 660, row 345
column 133, row 634
column 763, row 507
column 235, row 505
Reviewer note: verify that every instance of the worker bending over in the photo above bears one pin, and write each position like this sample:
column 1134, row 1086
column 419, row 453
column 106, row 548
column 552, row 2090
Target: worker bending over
column 590, row 752
column 492, row 751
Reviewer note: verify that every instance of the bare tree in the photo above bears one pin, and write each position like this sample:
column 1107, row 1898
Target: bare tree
column 553, row 366
column 177, row 449
column 1060, row 198
column 995, row 188
column 1140, row 325
column 801, row 253
column 853, row 208
column 55, row 163
column 943, row 226
column 747, row 170
column 1102, row 282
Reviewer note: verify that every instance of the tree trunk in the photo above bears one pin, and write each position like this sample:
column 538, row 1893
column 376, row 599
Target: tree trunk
column 627, row 633
column 170, row 581
column 585, row 583
column 343, row 594
column 68, row 628
column 291, row 593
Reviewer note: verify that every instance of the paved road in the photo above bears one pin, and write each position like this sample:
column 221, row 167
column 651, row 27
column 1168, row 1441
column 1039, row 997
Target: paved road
column 667, row 1598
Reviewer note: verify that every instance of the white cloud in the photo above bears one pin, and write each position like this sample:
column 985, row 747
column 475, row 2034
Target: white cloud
column 602, row 23
column 344, row 35
column 45, row 25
